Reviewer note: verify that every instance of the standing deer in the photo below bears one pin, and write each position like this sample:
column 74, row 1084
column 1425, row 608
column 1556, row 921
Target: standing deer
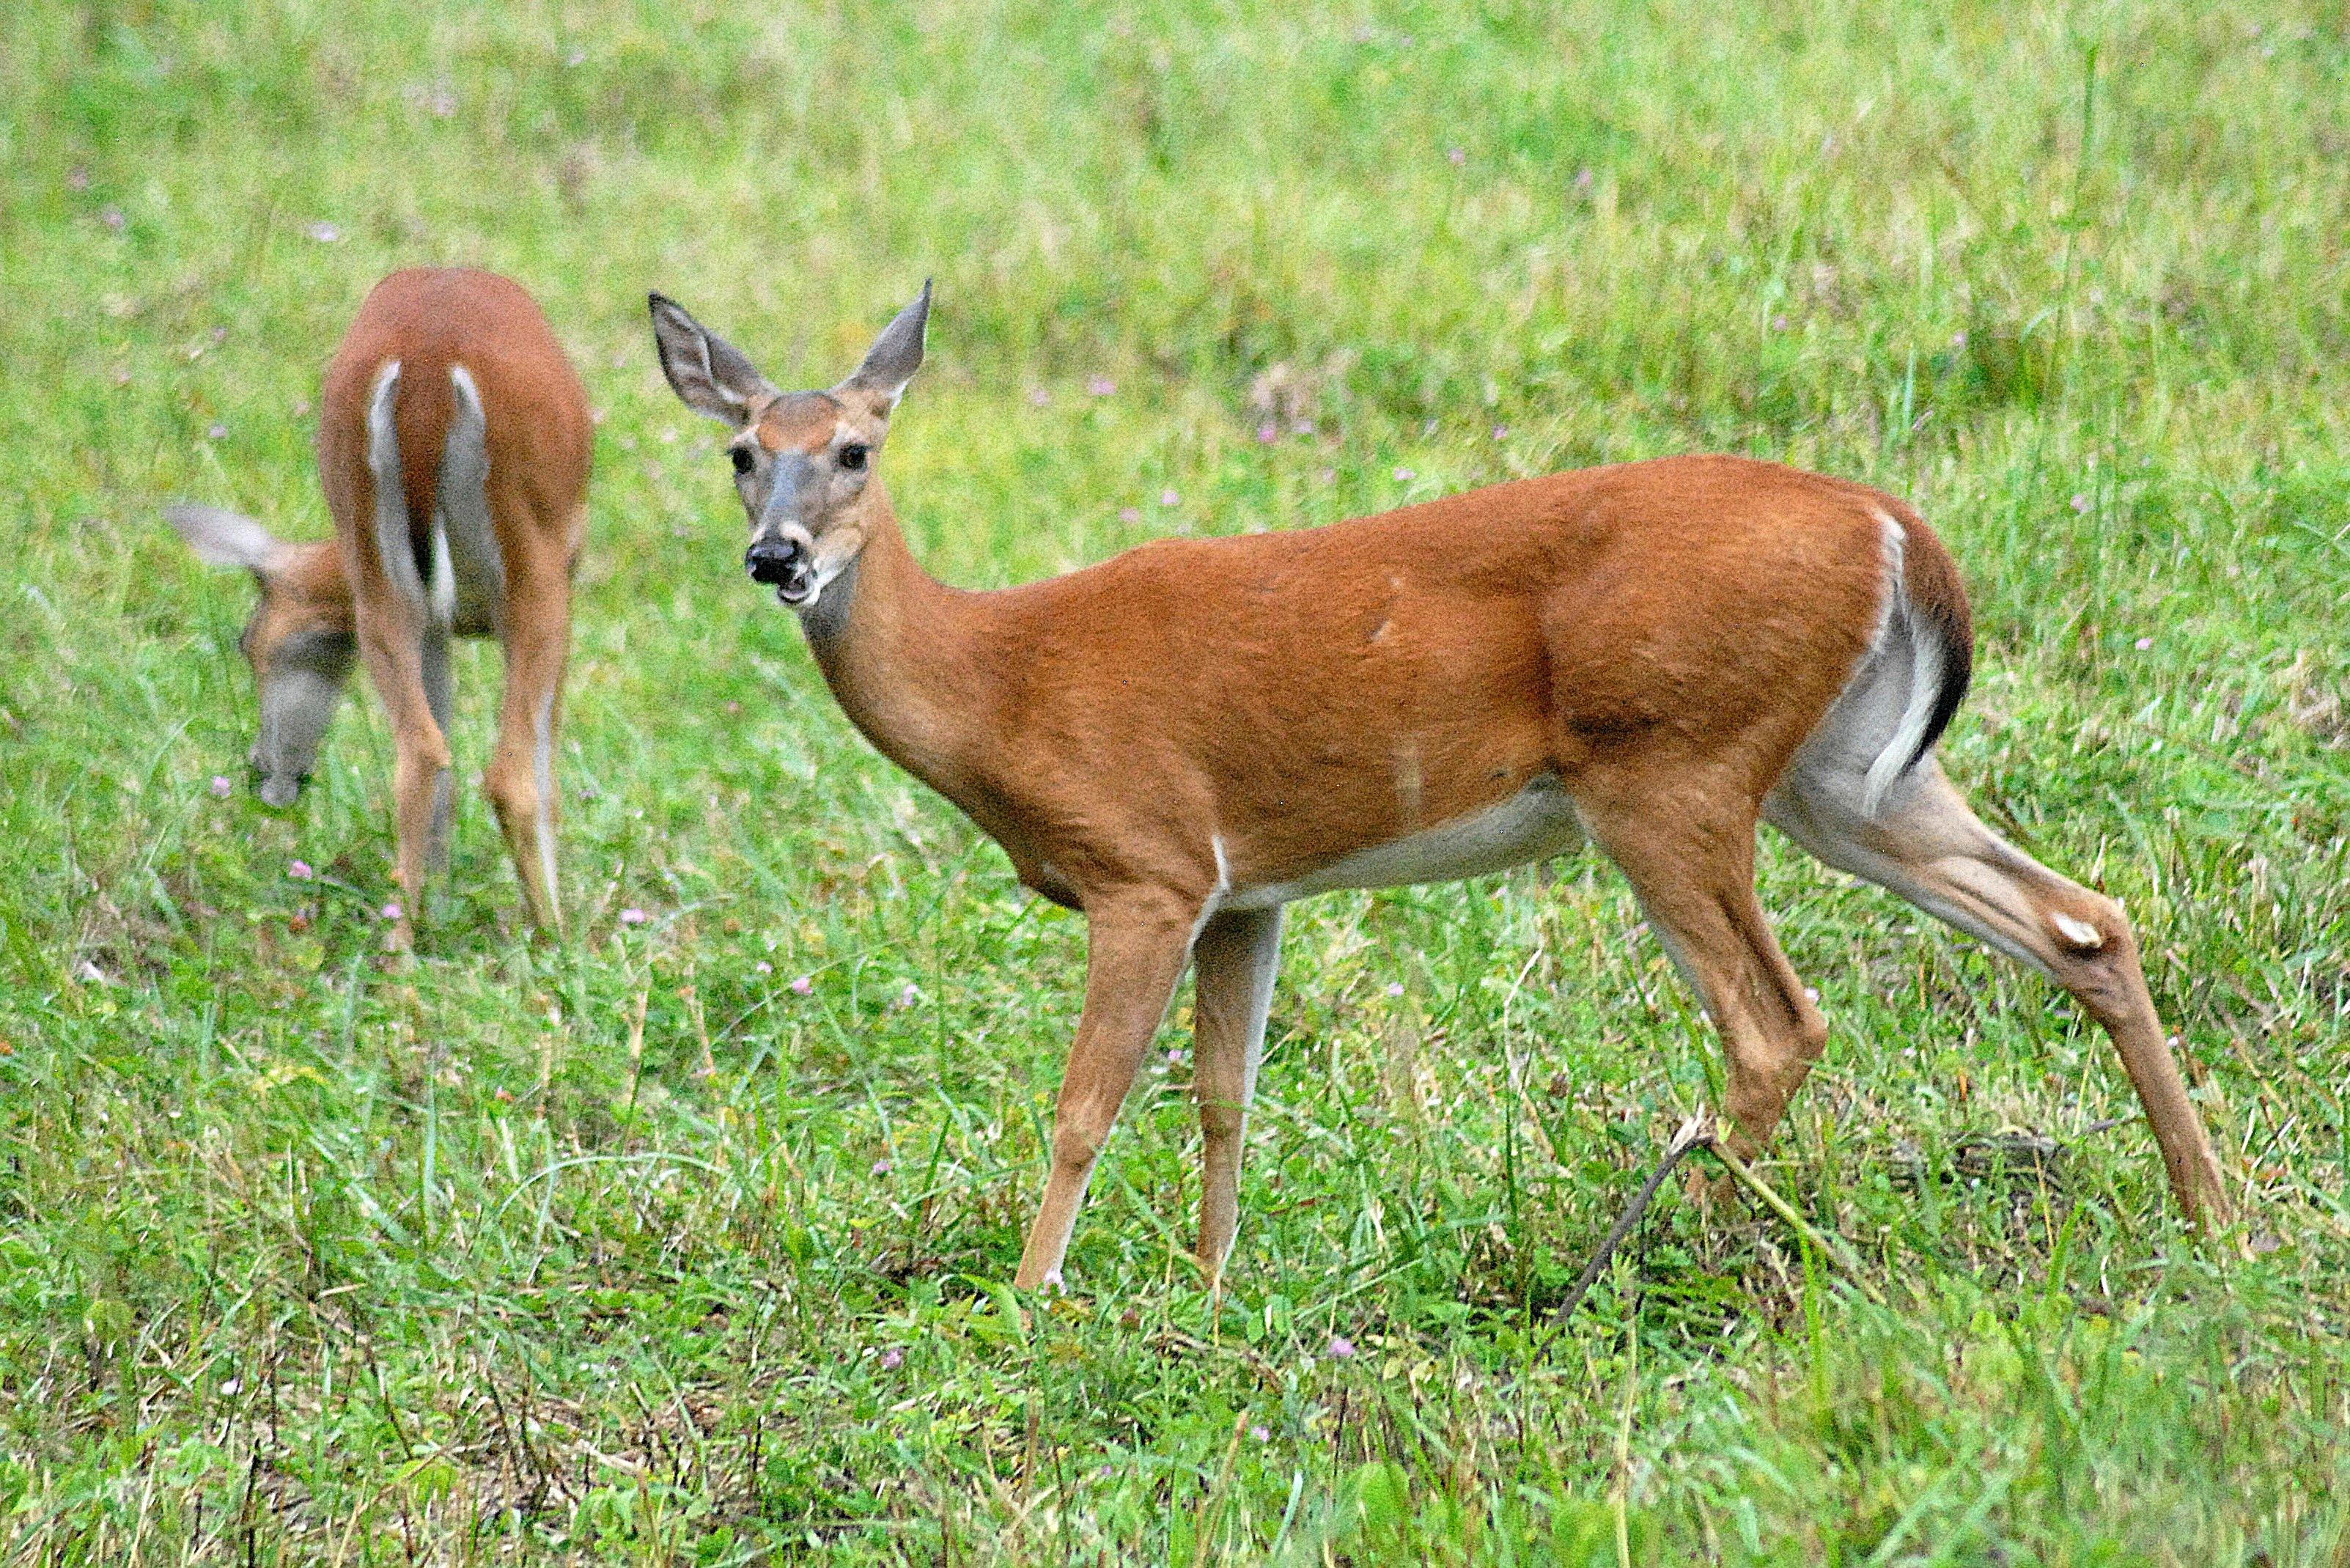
column 1184, row 738
column 452, row 447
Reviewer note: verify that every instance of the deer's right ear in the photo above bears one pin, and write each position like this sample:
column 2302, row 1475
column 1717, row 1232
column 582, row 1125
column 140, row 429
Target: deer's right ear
column 709, row 374
column 895, row 356
column 223, row 538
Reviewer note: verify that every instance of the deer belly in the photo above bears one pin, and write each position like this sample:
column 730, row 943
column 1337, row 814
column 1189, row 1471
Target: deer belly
column 1536, row 823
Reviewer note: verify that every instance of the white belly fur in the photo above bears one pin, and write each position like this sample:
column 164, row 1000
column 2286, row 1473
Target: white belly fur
column 1536, row 823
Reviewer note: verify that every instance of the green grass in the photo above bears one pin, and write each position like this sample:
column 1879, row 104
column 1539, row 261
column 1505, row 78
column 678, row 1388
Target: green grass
column 624, row 1249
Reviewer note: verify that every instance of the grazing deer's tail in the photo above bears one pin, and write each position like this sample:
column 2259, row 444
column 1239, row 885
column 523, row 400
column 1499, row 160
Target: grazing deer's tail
column 465, row 496
column 427, row 451
column 1926, row 609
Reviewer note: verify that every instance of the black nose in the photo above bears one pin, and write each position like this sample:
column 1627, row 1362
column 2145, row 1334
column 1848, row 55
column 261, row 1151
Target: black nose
column 772, row 561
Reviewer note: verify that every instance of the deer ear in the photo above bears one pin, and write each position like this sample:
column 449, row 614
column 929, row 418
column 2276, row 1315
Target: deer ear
column 895, row 356
column 224, row 539
column 710, row 375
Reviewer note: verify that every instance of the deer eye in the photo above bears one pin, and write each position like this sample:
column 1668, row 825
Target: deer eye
column 742, row 456
column 853, row 456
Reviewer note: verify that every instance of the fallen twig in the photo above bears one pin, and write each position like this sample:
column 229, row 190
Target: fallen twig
column 1697, row 1131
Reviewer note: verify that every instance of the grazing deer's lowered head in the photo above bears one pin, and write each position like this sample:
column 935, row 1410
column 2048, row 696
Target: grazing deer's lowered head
column 300, row 640
column 803, row 461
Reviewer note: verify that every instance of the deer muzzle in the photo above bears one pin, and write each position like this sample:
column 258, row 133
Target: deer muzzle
column 784, row 561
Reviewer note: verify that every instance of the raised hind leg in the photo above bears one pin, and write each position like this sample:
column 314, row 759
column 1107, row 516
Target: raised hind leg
column 1923, row 843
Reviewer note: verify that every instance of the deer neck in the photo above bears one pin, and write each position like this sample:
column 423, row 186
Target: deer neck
column 896, row 647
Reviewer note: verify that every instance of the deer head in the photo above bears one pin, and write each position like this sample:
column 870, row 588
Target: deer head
column 804, row 461
column 300, row 640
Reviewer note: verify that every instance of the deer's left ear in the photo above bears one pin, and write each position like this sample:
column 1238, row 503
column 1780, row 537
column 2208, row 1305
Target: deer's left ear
column 224, row 539
column 895, row 356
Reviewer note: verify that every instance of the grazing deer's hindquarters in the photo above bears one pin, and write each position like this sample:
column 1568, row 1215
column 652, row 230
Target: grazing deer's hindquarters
column 1180, row 740
column 452, row 447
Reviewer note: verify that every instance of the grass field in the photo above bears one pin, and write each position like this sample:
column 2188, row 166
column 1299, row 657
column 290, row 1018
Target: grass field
column 634, row 1248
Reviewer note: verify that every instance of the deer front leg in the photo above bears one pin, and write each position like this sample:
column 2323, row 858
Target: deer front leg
column 1136, row 952
column 1233, row 963
column 433, row 658
column 392, row 640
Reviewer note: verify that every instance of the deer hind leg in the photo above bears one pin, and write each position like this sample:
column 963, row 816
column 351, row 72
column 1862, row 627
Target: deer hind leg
column 1136, row 951
column 1233, row 962
column 1924, row 844
column 520, row 781
column 1695, row 881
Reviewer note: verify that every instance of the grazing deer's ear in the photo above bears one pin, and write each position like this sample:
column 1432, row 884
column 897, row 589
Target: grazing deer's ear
column 224, row 539
column 895, row 356
column 709, row 374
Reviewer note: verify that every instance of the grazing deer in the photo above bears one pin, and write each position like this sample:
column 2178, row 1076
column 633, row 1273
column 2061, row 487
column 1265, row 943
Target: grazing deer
column 1184, row 738
column 453, row 446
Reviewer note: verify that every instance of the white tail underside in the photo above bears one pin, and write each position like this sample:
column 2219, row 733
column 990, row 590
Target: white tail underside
column 1924, row 662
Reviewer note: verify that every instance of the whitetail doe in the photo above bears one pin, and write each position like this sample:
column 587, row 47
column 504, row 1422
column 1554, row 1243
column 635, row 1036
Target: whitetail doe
column 452, row 447
column 1182, row 738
